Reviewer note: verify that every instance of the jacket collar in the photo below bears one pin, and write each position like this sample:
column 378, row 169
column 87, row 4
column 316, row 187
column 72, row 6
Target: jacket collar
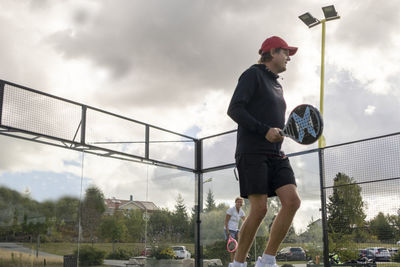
column 264, row 68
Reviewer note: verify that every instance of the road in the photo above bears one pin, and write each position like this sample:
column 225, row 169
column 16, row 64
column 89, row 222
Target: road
column 116, row 263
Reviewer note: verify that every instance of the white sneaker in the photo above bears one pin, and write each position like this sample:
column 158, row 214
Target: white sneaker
column 240, row 264
column 259, row 263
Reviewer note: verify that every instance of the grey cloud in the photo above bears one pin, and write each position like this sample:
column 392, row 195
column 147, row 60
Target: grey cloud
column 39, row 4
column 347, row 99
column 370, row 25
column 162, row 52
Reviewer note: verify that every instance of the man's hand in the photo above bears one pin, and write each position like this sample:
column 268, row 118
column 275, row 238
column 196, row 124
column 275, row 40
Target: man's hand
column 273, row 135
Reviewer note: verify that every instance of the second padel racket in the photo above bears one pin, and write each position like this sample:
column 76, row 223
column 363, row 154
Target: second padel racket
column 231, row 246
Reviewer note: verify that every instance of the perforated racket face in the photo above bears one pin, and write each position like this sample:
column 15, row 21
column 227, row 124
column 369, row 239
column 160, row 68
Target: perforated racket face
column 231, row 246
column 304, row 124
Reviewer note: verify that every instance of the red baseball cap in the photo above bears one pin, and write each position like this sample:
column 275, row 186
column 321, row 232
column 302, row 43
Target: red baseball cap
column 276, row 42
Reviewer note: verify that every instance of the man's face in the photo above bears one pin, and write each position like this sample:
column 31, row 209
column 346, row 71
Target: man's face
column 280, row 59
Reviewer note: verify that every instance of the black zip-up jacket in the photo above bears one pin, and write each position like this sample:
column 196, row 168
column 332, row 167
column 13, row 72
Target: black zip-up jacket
column 256, row 106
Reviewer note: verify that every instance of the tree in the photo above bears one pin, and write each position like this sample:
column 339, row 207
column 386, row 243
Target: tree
column 210, row 203
column 291, row 236
column 66, row 209
column 160, row 225
column 112, row 228
column 180, row 220
column 180, row 208
column 93, row 208
column 345, row 206
column 394, row 221
column 381, row 227
column 135, row 224
column 212, row 225
column 313, row 234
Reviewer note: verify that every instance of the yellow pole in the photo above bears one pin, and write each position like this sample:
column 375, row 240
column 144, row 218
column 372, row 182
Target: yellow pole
column 321, row 141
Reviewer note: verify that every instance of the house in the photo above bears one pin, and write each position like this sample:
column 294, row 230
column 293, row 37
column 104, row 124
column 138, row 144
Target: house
column 113, row 204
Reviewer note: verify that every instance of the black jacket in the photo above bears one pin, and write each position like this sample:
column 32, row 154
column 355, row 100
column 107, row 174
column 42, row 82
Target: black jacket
column 256, row 106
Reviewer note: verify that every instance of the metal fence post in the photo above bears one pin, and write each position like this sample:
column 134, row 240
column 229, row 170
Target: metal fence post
column 323, row 207
column 83, row 125
column 147, row 142
column 1, row 99
column 198, row 201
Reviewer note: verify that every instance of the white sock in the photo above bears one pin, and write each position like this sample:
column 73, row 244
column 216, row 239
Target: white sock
column 268, row 259
column 239, row 264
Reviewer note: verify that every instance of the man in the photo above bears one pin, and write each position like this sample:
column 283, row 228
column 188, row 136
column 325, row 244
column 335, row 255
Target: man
column 258, row 107
column 232, row 218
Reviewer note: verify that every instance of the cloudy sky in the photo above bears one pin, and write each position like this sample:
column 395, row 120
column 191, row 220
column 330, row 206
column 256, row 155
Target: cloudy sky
column 175, row 64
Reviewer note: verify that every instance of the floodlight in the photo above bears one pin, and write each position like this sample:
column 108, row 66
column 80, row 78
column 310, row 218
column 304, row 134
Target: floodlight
column 309, row 20
column 330, row 12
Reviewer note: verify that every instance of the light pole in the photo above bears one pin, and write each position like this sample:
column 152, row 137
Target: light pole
column 330, row 14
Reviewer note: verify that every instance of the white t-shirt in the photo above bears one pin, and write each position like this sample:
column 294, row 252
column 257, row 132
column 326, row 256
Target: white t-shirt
column 233, row 223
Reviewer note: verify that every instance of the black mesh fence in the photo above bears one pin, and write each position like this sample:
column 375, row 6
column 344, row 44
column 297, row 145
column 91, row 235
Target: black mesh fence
column 34, row 115
column 350, row 192
column 362, row 185
column 38, row 113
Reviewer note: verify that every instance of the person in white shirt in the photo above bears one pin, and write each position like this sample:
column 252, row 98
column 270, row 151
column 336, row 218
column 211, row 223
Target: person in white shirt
column 232, row 219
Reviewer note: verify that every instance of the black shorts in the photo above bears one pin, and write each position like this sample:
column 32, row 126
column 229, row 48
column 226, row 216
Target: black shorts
column 262, row 174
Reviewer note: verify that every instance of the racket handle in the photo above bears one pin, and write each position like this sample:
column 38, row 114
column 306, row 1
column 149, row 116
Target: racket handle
column 281, row 133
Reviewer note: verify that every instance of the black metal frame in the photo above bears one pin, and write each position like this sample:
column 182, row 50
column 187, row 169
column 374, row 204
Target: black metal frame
column 198, row 169
column 323, row 207
column 1, row 98
column 83, row 146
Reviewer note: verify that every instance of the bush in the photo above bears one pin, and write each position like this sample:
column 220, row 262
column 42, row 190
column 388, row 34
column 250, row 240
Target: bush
column 119, row 254
column 396, row 257
column 217, row 251
column 89, row 256
column 347, row 255
column 313, row 251
column 261, row 242
column 163, row 253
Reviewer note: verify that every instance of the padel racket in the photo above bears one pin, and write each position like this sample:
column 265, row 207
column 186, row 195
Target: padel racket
column 304, row 125
column 231, row 246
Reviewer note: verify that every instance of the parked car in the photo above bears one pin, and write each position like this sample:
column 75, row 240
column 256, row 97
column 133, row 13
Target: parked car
column 393, row 251
column 146, row 252
column 291, row 254
column 380, row 254
column 366, row 253
column 181, row 252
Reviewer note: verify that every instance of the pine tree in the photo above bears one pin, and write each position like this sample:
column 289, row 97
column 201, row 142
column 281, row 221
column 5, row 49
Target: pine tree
column 210, row 203
column 180, row 220
column 345, row 205
column 180, row 208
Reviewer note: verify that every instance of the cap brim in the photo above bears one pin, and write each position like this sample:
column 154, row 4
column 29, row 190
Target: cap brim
column 292, row 50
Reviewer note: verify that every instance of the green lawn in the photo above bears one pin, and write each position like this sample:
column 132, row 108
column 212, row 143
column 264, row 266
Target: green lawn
column 68, row 248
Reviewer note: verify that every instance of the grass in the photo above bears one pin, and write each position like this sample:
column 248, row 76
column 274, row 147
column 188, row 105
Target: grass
column 388, row 264
column 19, row 259
column 69, row 248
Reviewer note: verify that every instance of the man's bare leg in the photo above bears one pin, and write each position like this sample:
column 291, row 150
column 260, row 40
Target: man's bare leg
column 258, row 209
column 290, row 204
